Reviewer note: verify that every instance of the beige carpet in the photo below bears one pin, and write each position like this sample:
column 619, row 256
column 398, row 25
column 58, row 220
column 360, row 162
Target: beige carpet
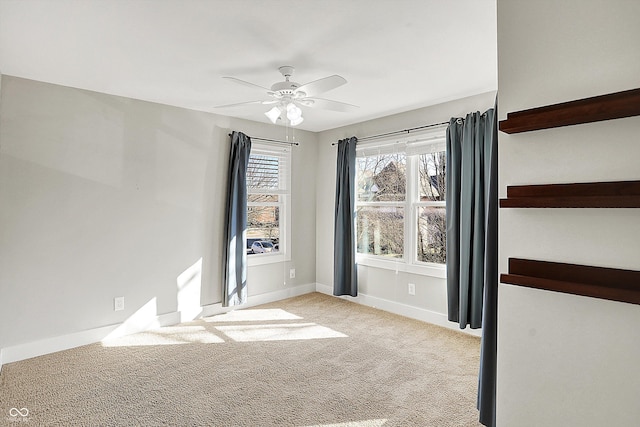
column 312, row 360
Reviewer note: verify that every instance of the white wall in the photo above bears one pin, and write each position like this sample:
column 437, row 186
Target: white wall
column 103, row 196
column 384, row 288
column 563, row 359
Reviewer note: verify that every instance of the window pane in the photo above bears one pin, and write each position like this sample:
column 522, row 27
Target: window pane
column 431, row 176
column 262, row 198
column 263, row 172
column 263, row 224
column 432, row 233
column 381, row 231
column 381, row 178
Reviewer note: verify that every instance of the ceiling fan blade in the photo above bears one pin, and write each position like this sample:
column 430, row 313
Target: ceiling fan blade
column 240, row 104
column 246, row 83
column 328, row 104
column 320, row 86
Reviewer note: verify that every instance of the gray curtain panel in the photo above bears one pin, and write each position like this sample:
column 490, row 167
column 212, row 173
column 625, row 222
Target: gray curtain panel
column 489, row 343
column 472, row 240
column 345, row 279
column 453, row 179
column 469, row 144
column 235, row 270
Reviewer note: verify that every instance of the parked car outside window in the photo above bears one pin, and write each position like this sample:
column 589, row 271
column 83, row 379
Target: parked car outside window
column 262, row 247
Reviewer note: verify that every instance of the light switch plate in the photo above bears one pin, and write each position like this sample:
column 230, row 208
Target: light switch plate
column 118, row 303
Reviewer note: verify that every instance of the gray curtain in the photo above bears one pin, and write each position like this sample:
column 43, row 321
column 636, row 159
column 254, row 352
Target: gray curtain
column 235, row 270
column 472, row 235
column 345, row 279
column 489, row 343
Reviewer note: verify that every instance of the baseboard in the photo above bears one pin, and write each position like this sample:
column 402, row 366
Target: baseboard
column 64, row 342
column 253, row 300
column 412, row 312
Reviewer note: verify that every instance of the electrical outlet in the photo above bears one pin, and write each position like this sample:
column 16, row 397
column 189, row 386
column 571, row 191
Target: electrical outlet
column 412, row 288
column 292, row 273
column 118, row 304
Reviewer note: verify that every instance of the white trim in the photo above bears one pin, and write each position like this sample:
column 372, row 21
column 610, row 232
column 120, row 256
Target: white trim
column 64, row 342
column 400, row 204
column 412, row 312
column 434, row 270
column 253, row 300
column 418, row 141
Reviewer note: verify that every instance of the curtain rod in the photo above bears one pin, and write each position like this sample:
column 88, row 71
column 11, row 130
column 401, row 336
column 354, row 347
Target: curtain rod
column 365, row 138
column 273, row 140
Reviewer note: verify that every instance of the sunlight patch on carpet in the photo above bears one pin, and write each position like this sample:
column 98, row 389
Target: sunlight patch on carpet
column 280, row 332
column 255, row 315
column 170, row 335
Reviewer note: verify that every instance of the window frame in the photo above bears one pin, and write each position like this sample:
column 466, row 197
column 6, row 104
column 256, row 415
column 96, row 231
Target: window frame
column 385, row 203
column 283, row 203
column 412, row 147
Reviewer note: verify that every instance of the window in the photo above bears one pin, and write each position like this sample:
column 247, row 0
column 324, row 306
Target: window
column 381, row 195
column 268, row 184
column 401, row 203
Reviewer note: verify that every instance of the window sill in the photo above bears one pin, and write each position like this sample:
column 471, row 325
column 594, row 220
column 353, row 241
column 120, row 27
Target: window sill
column 262, row 259
column 433, row 270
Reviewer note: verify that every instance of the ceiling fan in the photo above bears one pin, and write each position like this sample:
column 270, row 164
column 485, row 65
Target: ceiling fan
column 288, row 96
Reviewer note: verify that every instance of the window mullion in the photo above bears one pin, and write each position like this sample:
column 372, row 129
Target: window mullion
column 399, row 204
column 410, row 215
column 275, row 204
column 430, row 204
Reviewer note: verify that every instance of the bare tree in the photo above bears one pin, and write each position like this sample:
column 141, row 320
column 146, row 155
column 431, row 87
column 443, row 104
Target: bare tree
column 432, row 227
column 432, row 176
column 432, row 234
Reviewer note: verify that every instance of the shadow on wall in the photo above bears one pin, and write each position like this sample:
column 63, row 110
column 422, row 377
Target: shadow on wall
column 214, row 200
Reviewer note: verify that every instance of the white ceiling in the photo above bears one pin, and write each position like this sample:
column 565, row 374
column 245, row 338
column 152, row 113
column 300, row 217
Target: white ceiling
column 396, row 55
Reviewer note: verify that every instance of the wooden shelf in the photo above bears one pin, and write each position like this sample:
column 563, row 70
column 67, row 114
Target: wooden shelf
column 618, row 194
column 597, row 282
column 605, row 107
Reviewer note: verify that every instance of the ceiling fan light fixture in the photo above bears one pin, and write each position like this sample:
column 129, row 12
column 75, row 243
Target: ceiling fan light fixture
column 288, row 96
column 273, row 114
column 293, row 111
column 294, row 114
column 296, row 122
